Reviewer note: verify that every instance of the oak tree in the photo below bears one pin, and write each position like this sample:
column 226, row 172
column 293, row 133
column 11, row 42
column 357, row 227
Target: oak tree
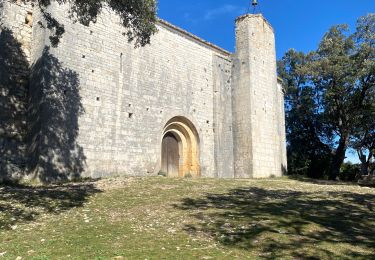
column 336, row 94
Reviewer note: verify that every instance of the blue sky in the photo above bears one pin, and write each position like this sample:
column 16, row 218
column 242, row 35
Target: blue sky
column 299, row 24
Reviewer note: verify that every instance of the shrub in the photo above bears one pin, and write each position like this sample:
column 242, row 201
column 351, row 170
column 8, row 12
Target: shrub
column 350, row 172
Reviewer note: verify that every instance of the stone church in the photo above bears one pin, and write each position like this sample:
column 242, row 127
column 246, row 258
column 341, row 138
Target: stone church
column 95, row 106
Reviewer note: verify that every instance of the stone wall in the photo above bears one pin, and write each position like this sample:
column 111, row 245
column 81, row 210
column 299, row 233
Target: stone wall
column 222, row 88
column 1, row 13
column 17, row 17
column 15, row 47
column 282, row 127
column 127, row 95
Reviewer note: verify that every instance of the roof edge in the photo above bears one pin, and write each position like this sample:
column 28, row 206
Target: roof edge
column 193, row 37
column 242, row 17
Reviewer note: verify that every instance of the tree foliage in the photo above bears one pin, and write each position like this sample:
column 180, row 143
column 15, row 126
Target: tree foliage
column 306, row 151
column 363, row 138
column 330, row 100
column 138, row 16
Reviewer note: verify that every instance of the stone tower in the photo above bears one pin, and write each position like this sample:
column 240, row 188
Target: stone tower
column 257, row 110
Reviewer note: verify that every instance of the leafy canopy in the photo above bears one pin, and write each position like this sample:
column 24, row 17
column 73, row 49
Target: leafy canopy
column 330, row 100
column 138, row 16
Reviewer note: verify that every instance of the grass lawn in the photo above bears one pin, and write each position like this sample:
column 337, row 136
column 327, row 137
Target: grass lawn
column 161, row 218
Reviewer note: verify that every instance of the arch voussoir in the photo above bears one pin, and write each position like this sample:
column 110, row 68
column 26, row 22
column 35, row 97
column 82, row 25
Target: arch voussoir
column 188, row 139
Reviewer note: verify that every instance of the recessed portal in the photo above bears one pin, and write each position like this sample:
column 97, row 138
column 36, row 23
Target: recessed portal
column 180, row 149
column 170, row 155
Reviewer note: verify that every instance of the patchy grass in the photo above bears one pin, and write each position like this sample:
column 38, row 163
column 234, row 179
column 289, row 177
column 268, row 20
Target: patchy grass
column 160, row 218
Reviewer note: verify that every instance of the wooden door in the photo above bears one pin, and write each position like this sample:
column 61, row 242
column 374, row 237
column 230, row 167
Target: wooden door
column 170, row 155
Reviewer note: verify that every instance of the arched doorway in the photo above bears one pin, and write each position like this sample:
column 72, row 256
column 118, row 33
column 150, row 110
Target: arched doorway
column 180, row 149
column 170, row 155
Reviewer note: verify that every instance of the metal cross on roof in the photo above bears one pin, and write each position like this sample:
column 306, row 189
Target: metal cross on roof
column 255, row 4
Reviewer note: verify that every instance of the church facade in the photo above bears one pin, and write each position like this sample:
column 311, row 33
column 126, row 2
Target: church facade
column 95, row 106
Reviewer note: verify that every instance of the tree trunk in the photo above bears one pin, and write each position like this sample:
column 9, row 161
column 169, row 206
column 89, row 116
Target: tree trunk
column 371, row 163
column 365, row 164
column 372, row 171
column 364, row 168
column 338, row 158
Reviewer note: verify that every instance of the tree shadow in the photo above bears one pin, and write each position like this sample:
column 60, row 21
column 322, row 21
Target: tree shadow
column 284, row 223
column 54, row 109
column 302, row 178
column 39, row 112
column 19, row 204
column 14, row 75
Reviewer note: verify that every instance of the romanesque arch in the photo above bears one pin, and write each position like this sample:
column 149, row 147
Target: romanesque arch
column 180, row 148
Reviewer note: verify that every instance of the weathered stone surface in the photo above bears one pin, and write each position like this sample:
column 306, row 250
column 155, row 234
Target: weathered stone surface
column 15, row 46
column 258, row 118
column 98, row 107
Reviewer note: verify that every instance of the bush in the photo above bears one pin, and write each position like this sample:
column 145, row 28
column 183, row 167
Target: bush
column 315, row 167
column 350, row 172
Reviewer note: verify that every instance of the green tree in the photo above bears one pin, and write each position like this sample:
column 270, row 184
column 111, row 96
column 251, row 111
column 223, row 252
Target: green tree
column 335, row 94
column 138, row 16
column 333, row 75
column 363, row 137
column 364, row 143
column 307, row 153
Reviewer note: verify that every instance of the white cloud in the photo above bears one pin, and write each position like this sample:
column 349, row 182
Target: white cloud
column 225, row 9
column 212, row 14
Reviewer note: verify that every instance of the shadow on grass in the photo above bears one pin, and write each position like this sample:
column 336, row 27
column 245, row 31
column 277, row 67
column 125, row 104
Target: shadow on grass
column 25, row 203
column 321, row 182
column 284, row 223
